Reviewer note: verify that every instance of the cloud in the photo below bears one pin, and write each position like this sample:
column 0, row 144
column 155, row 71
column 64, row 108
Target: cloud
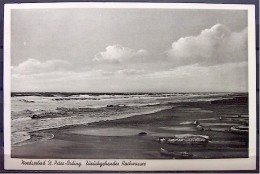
column 212, row 46
column 33, row 66
column 214, row 60
column 228, row 77
column 130, row 72
column 119, row 54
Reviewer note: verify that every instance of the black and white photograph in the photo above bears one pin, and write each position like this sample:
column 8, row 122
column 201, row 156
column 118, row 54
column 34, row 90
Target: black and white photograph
column 112, row 83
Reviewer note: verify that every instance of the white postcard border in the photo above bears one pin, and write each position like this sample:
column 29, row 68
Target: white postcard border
column 151, row 165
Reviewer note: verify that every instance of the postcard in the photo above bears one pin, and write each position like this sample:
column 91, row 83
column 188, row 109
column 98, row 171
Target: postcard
column 129, row 86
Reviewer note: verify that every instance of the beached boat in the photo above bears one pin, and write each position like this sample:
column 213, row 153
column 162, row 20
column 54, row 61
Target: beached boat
column 177, row 155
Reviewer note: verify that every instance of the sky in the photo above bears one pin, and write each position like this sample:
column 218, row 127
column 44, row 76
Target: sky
column 129, row 50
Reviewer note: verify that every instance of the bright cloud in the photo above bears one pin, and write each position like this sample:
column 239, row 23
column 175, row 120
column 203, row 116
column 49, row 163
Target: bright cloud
column 119, row 54
column 212, row 46
column 221, row 78
column 33, row 66
column 191, row 78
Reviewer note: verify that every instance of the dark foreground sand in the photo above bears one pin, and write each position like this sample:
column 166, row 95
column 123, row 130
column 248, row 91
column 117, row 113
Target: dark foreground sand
column 119, row 139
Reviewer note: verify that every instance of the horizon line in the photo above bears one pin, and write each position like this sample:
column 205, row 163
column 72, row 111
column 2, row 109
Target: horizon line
column 130, row 92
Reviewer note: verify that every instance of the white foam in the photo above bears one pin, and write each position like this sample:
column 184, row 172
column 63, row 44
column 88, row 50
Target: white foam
column 21, row 119
column 18, row 137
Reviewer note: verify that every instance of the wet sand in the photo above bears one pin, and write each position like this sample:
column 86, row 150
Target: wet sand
column 120, row 139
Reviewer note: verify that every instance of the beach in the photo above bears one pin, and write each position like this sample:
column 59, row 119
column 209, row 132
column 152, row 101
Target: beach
column 136, row 137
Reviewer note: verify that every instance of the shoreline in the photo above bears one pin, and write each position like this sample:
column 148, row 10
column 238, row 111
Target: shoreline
column 121, row 139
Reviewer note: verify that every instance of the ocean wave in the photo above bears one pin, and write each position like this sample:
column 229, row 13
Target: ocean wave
column 27, row 101
column 24, row 115
column 18, row 137
column 77, row 119
column 74, row 98
column 21, row 119
column 48, row 111
column 33, row 137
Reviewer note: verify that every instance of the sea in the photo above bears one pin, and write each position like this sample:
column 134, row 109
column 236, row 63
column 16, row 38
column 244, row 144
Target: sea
column 35, row 111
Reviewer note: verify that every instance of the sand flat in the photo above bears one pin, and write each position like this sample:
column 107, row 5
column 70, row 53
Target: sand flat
column 110, row 131
column 119, row 139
